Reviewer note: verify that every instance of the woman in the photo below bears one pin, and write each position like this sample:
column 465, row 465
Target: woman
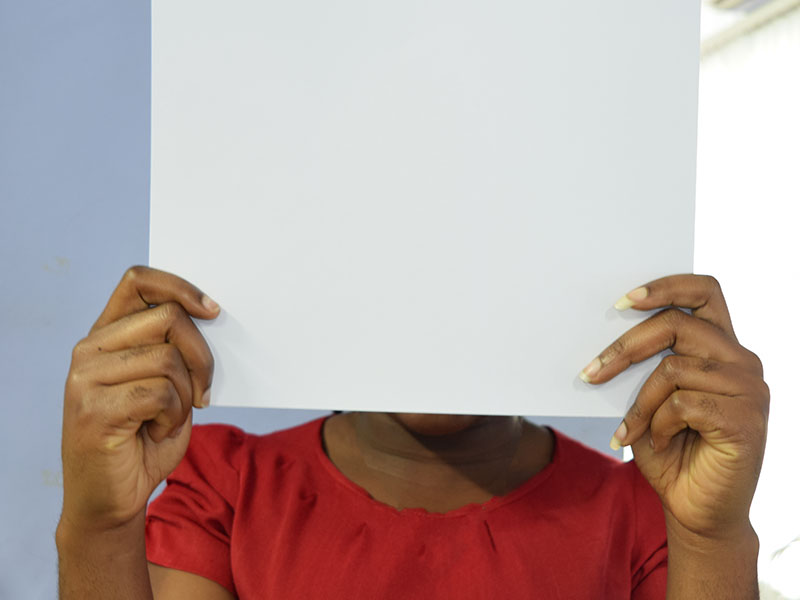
column 367, row 505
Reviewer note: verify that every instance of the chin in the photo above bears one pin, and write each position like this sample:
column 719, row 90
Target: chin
column 436, row 425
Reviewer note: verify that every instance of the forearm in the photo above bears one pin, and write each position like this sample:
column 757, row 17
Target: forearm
column 103, row 564
column 704, row 569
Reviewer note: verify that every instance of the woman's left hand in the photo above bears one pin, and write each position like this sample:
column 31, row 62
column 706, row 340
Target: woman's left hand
column 698, row 426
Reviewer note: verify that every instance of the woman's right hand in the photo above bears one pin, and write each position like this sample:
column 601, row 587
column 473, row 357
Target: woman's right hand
column 129, row 397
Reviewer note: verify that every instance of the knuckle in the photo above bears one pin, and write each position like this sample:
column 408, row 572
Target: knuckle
column 169, row 397
column 754, row 431
column 80, row 370
column 134, row 273
column 707, row 405
column 762, row 422
column 133, row 353
column 707, row 365
column 75, row 379
column 617, row 348
column 154, row 392
column 80, row 350
column 636, row 412
column 670, row 367
column 765, row 391
column 761, row 418
column 676, row 402
column 170, row 401
column 758, row 365
column 673, row 316
column 171, row 312
column 138, row 392
column 762, row 400
column 171, row 360
column 85, row 410
column 208, row 361
column 712, row 282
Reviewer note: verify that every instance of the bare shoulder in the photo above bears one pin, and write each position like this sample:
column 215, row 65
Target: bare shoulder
column 169, row 584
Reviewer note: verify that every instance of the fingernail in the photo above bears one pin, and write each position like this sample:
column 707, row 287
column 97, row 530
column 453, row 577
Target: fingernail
column 619, row 436
column 205, row 401
column 209, row 304
column 590, row 370
column 631, row 298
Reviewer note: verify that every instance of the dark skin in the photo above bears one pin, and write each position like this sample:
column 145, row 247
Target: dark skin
column 697, row 430
column 436, row 462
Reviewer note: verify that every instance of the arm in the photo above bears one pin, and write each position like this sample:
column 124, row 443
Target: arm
column 171, row 584
column 703, row 568
column 698, row 431
column 131, row 386
column 107, row 563
column 112, row 564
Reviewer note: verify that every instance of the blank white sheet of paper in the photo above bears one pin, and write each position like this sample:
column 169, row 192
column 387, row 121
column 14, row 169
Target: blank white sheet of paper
column 422, row 206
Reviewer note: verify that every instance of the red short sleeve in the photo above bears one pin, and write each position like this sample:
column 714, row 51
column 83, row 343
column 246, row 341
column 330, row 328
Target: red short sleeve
column 189, row 524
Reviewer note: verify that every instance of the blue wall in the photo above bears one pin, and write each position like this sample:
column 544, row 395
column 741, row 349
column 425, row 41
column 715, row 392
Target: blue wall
column 74, row 160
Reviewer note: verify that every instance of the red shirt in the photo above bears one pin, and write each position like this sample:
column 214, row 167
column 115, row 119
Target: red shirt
column 271, row 517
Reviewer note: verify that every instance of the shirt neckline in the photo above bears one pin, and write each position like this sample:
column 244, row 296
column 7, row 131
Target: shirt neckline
column 473, row 508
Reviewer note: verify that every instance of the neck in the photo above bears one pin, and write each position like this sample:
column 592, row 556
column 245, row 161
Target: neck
column 470, row 460
column 485, row 440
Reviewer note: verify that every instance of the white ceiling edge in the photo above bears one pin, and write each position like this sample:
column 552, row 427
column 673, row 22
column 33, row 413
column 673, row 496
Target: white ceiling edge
column 713, row 20
column 718, row 27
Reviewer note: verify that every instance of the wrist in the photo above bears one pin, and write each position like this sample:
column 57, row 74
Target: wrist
column 719, row 565
column 740, row 534
column 102, row 563
column 122, row 537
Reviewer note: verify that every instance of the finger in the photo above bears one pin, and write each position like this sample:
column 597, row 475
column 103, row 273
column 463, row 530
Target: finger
column 163, row 323
column 152, row 402
column 718, row 418
column 671, row 328
column 683, row 373
column 700, row 293
column 141, row 362
column 143, row 287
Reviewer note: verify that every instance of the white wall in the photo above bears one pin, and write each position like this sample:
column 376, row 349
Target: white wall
column 747, row 235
